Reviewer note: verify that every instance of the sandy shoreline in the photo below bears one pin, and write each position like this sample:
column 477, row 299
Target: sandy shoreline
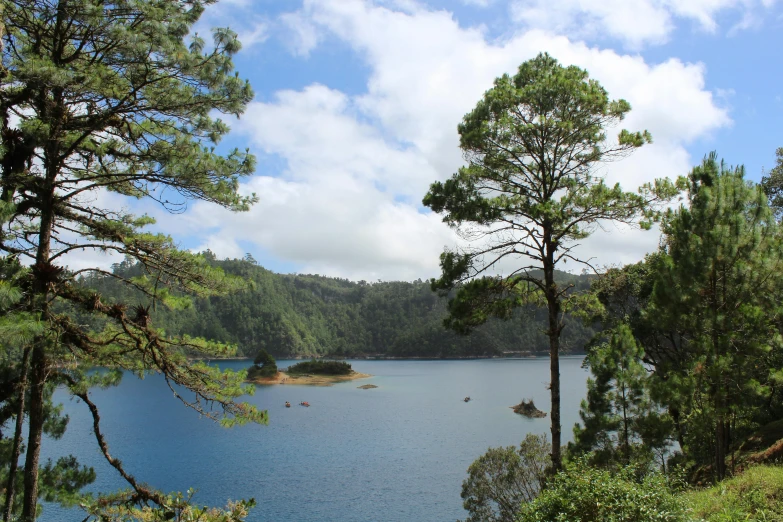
column 314, row 380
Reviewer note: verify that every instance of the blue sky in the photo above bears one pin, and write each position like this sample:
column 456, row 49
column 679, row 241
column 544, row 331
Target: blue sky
column 357, row 103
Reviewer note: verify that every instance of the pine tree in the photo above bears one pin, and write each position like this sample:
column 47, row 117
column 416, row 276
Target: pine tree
column 61, row 480
column 528, row 196
column 772, row 184
column 621, row 422
column 110, row 97
column 718, row 285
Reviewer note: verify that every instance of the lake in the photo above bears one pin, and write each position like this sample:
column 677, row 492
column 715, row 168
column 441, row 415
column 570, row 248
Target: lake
column 398, row 452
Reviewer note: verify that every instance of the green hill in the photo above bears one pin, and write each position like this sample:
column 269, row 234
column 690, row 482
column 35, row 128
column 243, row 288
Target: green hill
column 311, row 315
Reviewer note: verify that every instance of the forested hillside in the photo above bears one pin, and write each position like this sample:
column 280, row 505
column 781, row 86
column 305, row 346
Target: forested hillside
column 311, row 315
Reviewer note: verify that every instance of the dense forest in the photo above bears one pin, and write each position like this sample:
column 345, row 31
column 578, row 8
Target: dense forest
column 311, row 315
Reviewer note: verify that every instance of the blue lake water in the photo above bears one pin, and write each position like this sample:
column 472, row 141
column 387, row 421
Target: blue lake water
column 396, row 453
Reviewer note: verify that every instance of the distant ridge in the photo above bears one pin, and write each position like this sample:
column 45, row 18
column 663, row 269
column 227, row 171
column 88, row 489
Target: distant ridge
column 311, row 315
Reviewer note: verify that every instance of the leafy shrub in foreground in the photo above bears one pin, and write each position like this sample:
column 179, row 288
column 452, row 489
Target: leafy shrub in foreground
column 322, row 368
column 502, row 479
column 584, row 494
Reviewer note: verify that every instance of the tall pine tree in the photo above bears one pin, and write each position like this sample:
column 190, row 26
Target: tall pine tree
column 529, row 195
column 113, row 97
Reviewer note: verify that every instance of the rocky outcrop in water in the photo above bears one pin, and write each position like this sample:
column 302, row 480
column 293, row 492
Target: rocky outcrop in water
column 528, row 409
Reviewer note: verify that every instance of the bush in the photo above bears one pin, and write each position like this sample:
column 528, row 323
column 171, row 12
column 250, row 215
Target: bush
column 321, row 368
column 503, row 478
column 264, row 365
column 584, row 494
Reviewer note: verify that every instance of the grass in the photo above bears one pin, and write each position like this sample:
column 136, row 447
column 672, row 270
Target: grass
column 754, row 496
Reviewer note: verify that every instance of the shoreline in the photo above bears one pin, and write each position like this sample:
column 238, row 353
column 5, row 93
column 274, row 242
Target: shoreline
column 311, row 380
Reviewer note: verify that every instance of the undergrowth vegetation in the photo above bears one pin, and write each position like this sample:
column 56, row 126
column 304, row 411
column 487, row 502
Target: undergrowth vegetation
column 582, row 493
column 754, row 496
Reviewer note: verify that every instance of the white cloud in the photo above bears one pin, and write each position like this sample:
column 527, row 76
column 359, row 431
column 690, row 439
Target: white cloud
column 255, row 34
column 252, row 29
column 347, row 203
column 634, row 22
column 478, row 3
column 91, row 257
column 302, row 34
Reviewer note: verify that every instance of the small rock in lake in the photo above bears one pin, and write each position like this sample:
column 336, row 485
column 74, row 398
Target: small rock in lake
column 367, row 386
column 528, row 409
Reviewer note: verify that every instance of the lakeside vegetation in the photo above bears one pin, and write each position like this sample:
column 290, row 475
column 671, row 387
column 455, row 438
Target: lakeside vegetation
column 687, row 367
column 320, row 368
column 685, row 348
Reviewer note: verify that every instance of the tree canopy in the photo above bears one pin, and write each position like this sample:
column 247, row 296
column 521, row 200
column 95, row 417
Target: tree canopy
column 772, row 184
column 314, row 316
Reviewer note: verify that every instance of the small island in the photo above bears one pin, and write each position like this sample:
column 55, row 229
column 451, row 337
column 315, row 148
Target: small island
column 317, row 373
column 528, row 409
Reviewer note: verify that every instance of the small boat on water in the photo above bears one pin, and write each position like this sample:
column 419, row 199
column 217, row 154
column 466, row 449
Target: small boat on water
column 467, row 399
column 287, row 404
column 304, row 403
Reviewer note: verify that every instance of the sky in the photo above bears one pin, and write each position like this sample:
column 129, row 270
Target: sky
column 357, row 104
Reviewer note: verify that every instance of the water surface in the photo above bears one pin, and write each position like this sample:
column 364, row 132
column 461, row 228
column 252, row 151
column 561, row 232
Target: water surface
column 398, row 452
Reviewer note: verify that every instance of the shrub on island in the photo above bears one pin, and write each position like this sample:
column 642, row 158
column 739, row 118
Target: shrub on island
column 264, row 365
column 321, row 368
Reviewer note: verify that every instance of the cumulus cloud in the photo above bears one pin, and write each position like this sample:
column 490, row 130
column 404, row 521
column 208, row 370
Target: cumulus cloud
column 252, row 29
column 478, row 3
column 91, row 256
column 635, row 22
column 302, row 34
column 347, row 202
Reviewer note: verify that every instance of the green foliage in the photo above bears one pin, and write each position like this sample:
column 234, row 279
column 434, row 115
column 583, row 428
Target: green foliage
column 308, row 315
column 116, row 97
column 61, row 481
column 718, row 285
column 772, row 184
column 582, row 493
column 503, row 478
column 321, row 368
column 621, row 423
column 532, row 143
column 177, row 508
column 264, row 365
column 704, row 313
column 754, row 496
column 530, row 193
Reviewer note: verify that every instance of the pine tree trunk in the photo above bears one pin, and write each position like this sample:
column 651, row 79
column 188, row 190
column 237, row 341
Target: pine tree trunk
column 36, row 414
column 17, row 444
column 553, row 307
column 626, row 441
column 38, row 375
column 554, row 371
column 721, row 440
column 720, row 448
